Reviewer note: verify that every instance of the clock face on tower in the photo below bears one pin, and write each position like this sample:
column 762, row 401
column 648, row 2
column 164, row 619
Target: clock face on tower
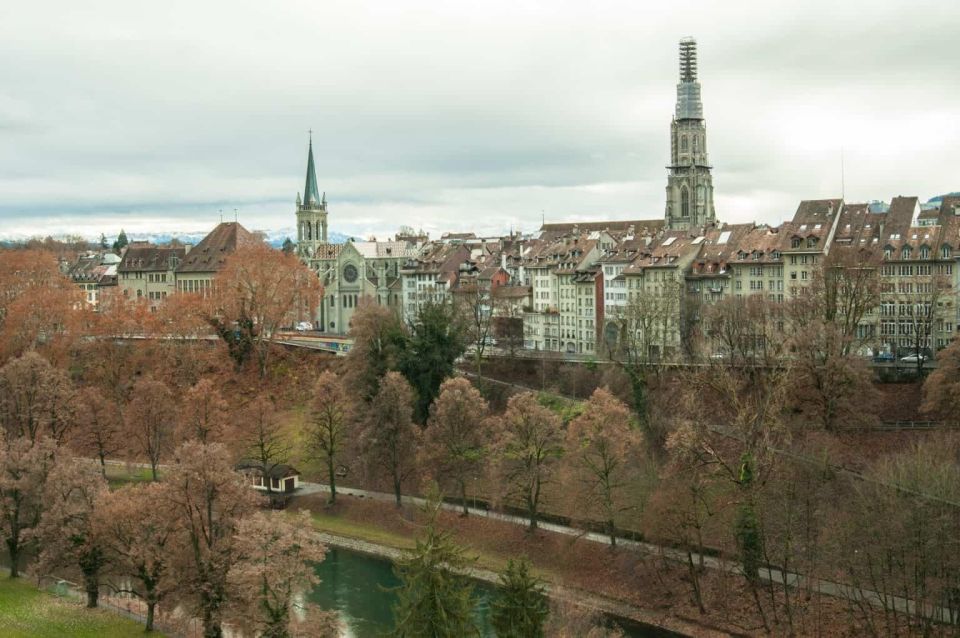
column 350, row 273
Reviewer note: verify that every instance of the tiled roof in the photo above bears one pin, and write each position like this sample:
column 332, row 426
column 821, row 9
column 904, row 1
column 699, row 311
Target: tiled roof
column 637, row 226
column 210, row 254
column 144, row 257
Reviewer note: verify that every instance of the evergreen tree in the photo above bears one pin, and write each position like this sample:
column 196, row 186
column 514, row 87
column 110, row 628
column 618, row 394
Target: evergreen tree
column 436, row 341
column 288, row 246
column 121, row 242
column 103, row 241
column 520, row 607
column 432, row 601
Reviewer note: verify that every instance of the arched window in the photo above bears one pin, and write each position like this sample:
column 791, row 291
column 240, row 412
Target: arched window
column 696, row 139
column 683, row 143
column 684, row 202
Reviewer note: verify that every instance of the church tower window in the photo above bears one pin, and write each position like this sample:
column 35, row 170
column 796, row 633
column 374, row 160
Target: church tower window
column 684, row 202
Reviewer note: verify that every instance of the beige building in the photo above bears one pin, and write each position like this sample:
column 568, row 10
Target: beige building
column 149, row 272
column 202, row 262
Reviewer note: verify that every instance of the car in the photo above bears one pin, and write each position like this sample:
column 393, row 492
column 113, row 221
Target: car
column 884, row 357
column 304, row 326
column 913, row 358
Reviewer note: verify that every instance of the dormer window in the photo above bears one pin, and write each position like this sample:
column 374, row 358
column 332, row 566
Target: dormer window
column 905, row 253
column 887, row 252
column 811, row 242
column 925, row 253
column 945, row 252
column 795, row 242
column 775, row 255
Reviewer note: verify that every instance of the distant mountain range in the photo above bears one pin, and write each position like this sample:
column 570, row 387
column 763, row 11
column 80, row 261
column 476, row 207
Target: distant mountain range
column 939, row 198
column 274, row 237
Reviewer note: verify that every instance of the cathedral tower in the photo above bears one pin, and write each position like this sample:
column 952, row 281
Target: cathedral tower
column 689, row 185
column 311, row 212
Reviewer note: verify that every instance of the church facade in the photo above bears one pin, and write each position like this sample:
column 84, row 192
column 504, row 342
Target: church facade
column 352, row 271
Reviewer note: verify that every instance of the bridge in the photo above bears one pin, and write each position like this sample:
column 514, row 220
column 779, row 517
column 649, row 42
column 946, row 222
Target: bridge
column 336, row 344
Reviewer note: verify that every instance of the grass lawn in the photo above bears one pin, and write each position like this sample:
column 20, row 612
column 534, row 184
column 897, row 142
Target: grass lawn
column 340, row 526
column 118, row 475
column 26, row 612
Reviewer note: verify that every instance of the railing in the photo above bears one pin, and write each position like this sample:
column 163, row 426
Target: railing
column 127, row 605
column 901, row 426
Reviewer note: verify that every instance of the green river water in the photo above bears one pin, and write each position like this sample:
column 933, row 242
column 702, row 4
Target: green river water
column 358, row 586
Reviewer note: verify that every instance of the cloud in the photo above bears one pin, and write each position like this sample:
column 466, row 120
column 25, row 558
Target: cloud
column 455, row 116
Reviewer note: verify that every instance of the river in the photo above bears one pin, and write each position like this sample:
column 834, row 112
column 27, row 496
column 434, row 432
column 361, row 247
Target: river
column 359, row 587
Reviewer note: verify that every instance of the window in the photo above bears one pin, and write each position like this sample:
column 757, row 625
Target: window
column 795, row 242
column 684, row 202
column 905, row 253
column 945, row 252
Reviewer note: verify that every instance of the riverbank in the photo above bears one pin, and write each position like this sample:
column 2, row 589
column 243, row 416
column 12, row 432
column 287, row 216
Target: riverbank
column 585, row 599
column 597, row 577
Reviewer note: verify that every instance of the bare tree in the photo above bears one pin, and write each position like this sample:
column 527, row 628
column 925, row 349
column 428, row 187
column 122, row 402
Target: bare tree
column 207, row 499
column 136, row 528
column 65, row 533
column 476, row 307
column 941, row 390
column 150, row 420
column 272, row 574
column 24, row 468
column 99, row 429
column 456, row 439
column 259, row 291
column 527, row 443
column 203, row 413
column 328, row 425
column 919, row 305
column 647, row 329
column 388, row 438
column 36, row 399
column 263, row 438
column 604, row 449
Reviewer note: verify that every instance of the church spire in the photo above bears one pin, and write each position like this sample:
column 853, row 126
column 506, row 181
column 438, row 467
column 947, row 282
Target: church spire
column 689, row 106
column 311, row 194
column 689, row 184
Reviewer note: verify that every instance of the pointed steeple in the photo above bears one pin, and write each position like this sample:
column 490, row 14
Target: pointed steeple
column 311, row 194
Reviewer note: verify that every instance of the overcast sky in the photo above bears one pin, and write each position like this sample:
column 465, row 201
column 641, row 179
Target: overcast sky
column 460, row 115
